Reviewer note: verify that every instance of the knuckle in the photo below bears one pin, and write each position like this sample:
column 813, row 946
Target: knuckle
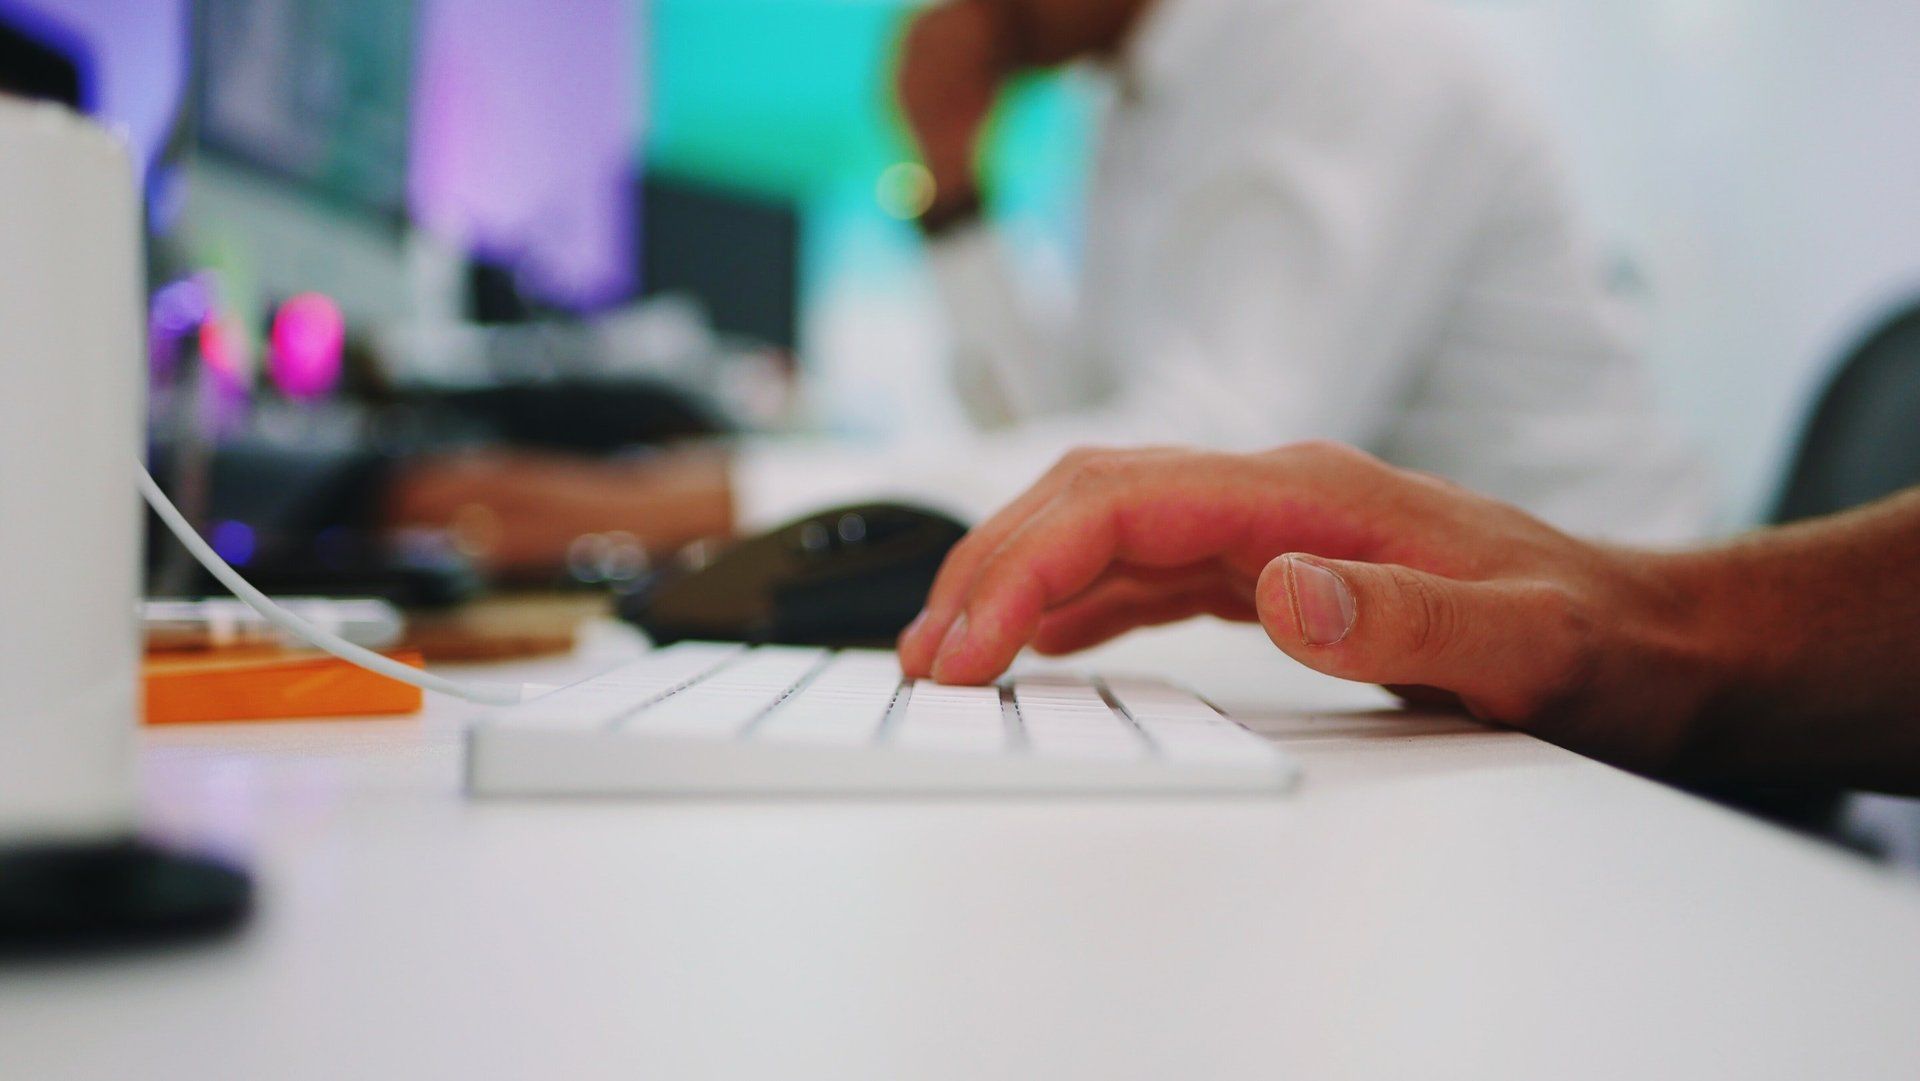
column 1435, row 481
column 967, row 549
column 1081, row 455
column 1098, row 469
column 1072, row 463
column 959, row 566
column 1329, row 450
column 1008, row 592
column 1324, row 448
column 1327, row 457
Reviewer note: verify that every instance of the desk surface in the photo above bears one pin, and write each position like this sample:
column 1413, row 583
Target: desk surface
column 1436, row 900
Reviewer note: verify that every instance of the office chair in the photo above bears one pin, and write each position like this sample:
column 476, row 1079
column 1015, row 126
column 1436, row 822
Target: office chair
column 1862, row 440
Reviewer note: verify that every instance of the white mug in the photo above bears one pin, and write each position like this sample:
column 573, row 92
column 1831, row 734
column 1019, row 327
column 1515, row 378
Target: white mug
column 72, row 386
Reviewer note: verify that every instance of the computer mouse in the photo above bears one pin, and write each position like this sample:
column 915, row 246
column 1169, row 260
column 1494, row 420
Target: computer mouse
column 849, row 576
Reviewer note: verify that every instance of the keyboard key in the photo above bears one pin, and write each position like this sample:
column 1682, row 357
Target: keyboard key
column 1068, row 718
column 937, row 717
column 607, row 698
column 1184, row 728
column 842, row 705
column 723, row 701
column 674, row 665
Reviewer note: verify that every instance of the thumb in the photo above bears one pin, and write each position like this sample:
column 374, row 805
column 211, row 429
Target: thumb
column 1497, row 645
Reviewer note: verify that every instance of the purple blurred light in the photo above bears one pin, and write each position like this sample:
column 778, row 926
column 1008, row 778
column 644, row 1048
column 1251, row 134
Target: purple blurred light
column 181, row 306
column 234, row 541
column 522, row 142
column 177, row 310
column 308, row 336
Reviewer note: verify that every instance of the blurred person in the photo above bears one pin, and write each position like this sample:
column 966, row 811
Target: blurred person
column 1307, row 218
column 1782, row 657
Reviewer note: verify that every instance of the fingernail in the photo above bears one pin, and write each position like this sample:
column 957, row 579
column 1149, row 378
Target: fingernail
column 956, row 636
column 914, row 629
column 1322, row 603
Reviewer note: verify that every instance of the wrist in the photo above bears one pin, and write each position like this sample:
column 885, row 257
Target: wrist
column 953, row 207
column 1737, row 652
column 1746, row 645
column 1035, row 35
column 697, row 483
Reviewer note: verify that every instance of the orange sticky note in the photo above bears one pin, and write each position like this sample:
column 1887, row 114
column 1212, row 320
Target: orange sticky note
column 187, row 688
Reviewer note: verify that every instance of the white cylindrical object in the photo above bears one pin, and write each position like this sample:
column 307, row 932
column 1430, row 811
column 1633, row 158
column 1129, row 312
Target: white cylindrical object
column 72, row 384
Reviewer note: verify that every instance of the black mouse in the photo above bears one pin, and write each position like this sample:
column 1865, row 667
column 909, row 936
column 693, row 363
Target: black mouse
column 850, row 576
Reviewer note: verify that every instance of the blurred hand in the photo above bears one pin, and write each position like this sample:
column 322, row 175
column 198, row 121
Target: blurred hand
column 952, row 64
column 1355, row 568
column 517, row 512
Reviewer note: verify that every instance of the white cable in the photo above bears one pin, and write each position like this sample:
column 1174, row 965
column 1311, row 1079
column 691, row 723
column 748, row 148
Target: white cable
column 484, row 693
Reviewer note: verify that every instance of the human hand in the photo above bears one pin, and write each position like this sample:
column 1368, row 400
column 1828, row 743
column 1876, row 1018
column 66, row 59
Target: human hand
column 952, row 64
column 517, row 512
column 1355, row 568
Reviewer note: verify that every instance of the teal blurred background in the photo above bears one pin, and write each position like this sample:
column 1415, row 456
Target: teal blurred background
column 790, row 100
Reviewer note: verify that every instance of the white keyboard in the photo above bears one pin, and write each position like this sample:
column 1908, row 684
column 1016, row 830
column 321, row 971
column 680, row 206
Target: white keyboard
column 705, row 718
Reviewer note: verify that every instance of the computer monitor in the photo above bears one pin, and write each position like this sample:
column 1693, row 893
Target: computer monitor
column 738, row 254
column 298, row 125
column 316, row 93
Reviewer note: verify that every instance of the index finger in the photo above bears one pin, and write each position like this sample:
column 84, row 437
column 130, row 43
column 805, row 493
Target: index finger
column 921, row 640
column 955, row 578
column 1170, row 511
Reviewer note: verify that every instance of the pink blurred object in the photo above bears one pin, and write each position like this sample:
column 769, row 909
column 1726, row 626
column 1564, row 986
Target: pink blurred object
column 223, row 347
column 227, row 359
column 308, row 337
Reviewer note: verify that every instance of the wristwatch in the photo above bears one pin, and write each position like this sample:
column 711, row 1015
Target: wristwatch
column 950, row 210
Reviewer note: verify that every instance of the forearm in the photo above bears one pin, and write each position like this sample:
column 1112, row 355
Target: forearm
column 519, row 512
column 1815, row 633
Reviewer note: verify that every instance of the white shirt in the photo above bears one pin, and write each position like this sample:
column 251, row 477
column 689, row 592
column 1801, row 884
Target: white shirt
column 1307, row 218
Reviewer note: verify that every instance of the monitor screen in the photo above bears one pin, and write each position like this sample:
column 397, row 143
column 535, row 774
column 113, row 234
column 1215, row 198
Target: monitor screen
column 315, row 92
column 738, row 254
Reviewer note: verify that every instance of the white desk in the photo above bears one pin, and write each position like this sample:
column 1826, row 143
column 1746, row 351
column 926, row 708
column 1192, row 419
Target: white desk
column 1437, row 900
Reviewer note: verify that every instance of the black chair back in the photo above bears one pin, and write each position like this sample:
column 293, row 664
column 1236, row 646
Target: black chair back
column 1862, row 440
